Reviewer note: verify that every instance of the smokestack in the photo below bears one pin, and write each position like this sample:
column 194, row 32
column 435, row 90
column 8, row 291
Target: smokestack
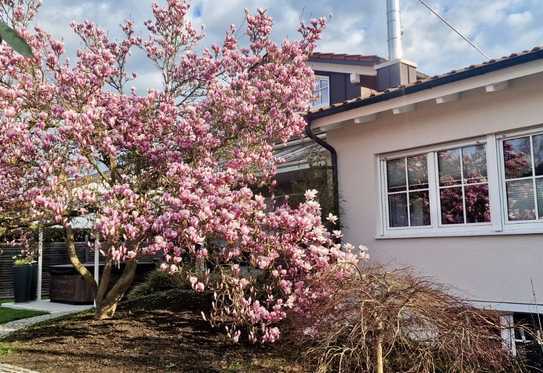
column 396, row 71
column 395, row 51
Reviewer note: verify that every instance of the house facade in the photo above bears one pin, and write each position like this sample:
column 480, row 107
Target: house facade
column 444, row 175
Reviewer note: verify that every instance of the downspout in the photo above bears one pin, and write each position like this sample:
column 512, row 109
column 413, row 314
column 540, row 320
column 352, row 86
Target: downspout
column 333, row 158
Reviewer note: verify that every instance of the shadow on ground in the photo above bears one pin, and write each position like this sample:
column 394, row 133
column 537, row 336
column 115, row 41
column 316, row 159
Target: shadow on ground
column 160, row 334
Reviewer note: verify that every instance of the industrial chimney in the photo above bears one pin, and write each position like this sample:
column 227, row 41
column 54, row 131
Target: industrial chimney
column 396, row 71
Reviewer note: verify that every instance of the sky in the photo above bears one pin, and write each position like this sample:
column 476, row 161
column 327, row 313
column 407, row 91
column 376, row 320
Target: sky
column 499, row 27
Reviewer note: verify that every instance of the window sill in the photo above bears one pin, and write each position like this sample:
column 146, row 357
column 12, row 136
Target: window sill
column 466, row 232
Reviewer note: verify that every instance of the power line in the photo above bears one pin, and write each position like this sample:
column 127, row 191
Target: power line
column 442, row 19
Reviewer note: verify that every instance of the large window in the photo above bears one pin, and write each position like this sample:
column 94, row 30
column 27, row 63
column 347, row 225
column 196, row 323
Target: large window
column 491, row 185
column 523, row 174
column 321, row 92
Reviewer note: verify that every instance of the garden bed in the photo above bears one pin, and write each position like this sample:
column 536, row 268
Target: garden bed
column 156, row 333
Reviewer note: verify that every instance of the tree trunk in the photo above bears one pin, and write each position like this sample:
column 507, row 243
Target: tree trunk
column 379, row 349
column 106, row 299
column 105, row 279
column 72, row 255
column 106, row 305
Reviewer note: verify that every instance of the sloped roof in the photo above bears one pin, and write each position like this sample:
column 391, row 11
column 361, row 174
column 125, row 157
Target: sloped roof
column 431, row 82
column 351, row 59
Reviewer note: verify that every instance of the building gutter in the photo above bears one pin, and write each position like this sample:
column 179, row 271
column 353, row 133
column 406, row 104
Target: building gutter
column 333, row 158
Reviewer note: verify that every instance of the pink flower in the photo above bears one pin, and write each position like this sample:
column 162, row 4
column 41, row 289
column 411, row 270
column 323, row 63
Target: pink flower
column 193, row 280
column 310, row 194
column 332, row 218
column 199, row 287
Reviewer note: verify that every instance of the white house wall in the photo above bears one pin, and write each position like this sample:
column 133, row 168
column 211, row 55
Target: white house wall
column 480, row 268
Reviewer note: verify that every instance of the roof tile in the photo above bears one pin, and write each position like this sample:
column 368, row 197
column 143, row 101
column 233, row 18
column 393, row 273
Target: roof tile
column 358, row 58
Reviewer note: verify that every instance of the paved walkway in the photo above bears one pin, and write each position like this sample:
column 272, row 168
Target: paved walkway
column 47, row 306
column 55, row 310
column 12, row 326
column 6, row 368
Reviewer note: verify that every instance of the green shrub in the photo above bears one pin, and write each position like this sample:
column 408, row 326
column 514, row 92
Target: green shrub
column 158, row 281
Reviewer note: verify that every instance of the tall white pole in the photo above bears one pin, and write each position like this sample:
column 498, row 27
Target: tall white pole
column 97, row 261
column 395, row 50
column 96, row 264
column 40, row 262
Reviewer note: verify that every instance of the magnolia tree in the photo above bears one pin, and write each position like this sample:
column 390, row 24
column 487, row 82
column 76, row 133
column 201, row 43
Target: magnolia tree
column 170, row 170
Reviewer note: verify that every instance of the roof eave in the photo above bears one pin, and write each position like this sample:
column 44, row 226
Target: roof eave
column 487, row 67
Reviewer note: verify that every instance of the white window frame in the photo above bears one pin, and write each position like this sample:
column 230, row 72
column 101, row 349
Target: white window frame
column 386, row 194
column 327, row 103
column 498, row 225
column 535, row 226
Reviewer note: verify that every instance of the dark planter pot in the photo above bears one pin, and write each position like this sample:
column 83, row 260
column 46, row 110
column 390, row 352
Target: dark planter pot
column 67, row 286
column 22, row 283
column 34, row 283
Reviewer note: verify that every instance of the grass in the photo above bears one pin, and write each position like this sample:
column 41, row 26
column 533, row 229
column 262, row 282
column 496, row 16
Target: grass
column 5, row 349
column 9, row 314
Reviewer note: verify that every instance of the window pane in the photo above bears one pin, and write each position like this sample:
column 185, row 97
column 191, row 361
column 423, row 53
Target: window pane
column 324, row 83
column 517, row 158
column 417, row 171
column 539, row 188
column 452, row 207
column 474, row 158
column 397, row 210
column 396, row 175
column 449, row 167
column 419, row 208
column 325, row 100
column 477, row 203
column 321, row 92
column 538, row 154
column 520, row 200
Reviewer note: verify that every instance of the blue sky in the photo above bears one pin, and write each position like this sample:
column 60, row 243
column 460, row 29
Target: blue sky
column 500, row 27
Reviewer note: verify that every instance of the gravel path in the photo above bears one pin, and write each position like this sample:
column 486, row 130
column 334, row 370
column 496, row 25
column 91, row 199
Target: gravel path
column 12, row 326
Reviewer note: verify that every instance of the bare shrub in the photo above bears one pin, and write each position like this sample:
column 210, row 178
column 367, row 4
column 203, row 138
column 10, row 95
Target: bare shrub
column 398, row 322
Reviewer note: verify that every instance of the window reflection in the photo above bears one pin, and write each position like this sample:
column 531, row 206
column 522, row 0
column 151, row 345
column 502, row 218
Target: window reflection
column 523, row 170
column 520, row 200
column 464, row 185
column 408, row 200
column 517, row 158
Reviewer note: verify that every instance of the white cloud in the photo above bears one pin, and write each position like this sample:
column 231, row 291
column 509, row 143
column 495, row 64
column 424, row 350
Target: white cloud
column 519, row 20
column 499, row 26
column 343, row 35
column 437, row 49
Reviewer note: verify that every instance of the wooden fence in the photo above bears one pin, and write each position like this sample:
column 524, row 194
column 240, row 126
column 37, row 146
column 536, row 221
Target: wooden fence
column 53, row 253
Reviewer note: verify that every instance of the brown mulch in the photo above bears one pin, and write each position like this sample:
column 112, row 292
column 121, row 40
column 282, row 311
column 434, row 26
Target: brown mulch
column 163, row 333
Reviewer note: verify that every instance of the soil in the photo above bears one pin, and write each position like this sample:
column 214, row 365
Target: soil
column 144, row 336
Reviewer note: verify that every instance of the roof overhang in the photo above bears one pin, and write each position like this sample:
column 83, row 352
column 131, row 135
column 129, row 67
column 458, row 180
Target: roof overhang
column 488, row 78
column 295, row 154
column 343, row 68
